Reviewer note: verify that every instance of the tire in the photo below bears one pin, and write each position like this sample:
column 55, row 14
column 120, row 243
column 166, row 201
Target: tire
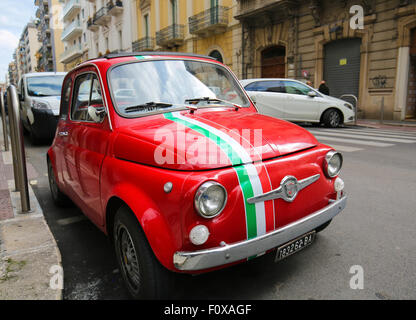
column 142, row 273
column 332, row 118
column 323, row 226
column 58, row 197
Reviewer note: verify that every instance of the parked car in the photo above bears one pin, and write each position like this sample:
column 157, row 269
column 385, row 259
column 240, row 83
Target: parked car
column 40, row 96
column 295, row 101
column 180, row 179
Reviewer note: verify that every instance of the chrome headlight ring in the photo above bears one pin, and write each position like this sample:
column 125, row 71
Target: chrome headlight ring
column 332, row 168
column 202, row 194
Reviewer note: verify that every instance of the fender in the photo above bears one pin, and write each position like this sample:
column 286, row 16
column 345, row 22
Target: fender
column 153, row 223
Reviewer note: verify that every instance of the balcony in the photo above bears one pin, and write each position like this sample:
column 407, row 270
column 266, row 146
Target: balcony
column 102, row 17
column 91, row 25
column 208, row 22
column 74, row 28
column 115, row 8
column 171, row 36
column 71, row 53
column 72, row 7
column 255, row 11
column 144, row 44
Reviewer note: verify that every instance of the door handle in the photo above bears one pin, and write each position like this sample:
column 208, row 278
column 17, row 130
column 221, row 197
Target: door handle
column 63, row 133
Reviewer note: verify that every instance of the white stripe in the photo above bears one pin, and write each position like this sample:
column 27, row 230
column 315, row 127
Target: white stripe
column 359, row 132
column 365, row 137
column 345, row 148
column 349, row 141
column 407, row 133
column 251, row 169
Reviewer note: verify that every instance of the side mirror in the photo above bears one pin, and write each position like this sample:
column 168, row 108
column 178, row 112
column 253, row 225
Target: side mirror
column 94, row 114
column 312, row 94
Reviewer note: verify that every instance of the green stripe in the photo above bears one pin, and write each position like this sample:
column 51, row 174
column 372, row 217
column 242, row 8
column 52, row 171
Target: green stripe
column 241, row 171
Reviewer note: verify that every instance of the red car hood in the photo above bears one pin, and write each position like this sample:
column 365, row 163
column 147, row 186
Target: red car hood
column 208, row 139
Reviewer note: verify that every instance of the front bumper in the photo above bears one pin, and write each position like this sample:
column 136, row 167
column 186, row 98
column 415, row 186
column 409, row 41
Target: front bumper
column 228, row 253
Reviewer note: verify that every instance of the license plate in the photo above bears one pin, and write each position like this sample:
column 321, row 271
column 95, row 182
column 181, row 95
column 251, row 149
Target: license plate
column 295, row 245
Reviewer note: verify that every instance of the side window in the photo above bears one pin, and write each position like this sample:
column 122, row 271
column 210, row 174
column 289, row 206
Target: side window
column 87, row 92
column 296, row 88
column 251, row 87
column 271, row 86
column 66, row 98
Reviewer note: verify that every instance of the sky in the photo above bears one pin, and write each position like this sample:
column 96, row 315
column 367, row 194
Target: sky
column 14, row 15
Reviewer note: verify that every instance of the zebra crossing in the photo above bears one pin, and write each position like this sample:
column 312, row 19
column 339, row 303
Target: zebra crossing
column 353, row 139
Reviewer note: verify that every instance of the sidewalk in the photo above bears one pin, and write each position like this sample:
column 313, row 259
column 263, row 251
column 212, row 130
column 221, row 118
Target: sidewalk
column 28, row 251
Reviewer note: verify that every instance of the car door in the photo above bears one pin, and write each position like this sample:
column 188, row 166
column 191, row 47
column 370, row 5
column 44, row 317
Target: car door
column 269, row 96
column 300, row 106
column 87, row 143
column 61, row 137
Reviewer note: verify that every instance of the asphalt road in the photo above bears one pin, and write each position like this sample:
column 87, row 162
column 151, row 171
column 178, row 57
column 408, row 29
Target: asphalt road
column 376, row 232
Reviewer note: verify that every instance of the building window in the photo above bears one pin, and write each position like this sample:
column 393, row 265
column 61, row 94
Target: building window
column 174, row 10
column 216, row 55
column 146, row 25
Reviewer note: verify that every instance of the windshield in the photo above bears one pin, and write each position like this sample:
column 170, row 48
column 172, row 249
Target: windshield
column 44, row 86
column 160, row 86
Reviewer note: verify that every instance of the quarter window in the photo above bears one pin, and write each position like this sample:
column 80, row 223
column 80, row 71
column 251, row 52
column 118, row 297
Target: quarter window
column 66, row 98
column 87, row 92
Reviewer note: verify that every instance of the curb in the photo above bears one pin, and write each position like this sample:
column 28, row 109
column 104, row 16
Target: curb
column 28, row 251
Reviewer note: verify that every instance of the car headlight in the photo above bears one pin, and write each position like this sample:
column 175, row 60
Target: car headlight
column 210, row 199
column 333, row 163
column 39, row 105
column 349, row 106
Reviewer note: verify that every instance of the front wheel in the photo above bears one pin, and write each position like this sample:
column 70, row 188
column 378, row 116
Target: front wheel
column 143, row 275
column 58, row 197
column 332, row 118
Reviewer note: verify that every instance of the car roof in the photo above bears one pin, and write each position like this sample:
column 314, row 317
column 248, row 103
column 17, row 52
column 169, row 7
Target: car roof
column 43, row 74
column 150, row 53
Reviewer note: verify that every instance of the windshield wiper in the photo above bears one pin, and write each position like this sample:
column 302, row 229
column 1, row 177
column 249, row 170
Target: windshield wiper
column 150, row 104
column 208, row 100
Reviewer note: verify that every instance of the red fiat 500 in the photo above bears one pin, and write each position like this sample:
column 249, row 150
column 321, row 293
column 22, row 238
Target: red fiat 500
column 166, row 154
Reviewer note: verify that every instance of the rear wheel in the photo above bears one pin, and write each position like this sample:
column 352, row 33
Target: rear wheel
column 58, row 197
column 143, row 275
column 332, row 118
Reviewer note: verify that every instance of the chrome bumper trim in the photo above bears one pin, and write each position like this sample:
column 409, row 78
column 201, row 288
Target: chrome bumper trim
column 228, row 253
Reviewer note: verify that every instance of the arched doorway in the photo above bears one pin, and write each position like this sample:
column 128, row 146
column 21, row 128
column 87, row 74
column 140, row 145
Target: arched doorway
column 216, row 55
column 273, row 62
column 342, row 66
column 411, row 90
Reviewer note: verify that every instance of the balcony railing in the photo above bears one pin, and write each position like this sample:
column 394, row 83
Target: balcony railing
column 102, row 17
column 71, row 7
column 213, row 20
column 115, row 7
column 144, row 44
column 71, row 53
column 91, row 25
column 171, row 36
column 73, row 28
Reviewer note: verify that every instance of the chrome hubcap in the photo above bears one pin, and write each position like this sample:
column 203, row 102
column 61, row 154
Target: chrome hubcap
column 128, row 256
column 334, row 119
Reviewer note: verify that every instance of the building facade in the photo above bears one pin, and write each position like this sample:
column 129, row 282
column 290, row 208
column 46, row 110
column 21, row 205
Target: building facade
column 50, row 27
column 75, row 35
column 112, row 26
column 315, row 40
column 27, row 48
column 204, row 27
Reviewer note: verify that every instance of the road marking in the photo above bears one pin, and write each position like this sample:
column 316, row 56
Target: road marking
column 355, row 141
column 70, row 220
column 365, row 137
column 345, row 148
column 370, row 133
column 406, row 133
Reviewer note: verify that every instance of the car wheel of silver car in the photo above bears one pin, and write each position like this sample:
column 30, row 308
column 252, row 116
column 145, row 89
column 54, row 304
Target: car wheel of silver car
column 143, row 275
column 58, row 197
column 332, row 118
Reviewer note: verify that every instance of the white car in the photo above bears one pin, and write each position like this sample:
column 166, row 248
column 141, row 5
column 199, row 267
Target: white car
column 295, row 101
